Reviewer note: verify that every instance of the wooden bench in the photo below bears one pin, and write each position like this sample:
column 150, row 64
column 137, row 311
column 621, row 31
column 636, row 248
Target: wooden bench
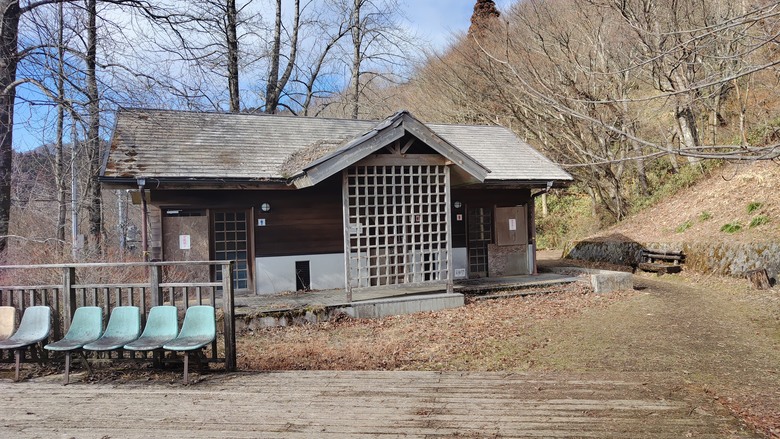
column 661, row 262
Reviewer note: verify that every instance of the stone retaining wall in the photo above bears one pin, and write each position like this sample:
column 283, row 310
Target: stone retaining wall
column 724, row 258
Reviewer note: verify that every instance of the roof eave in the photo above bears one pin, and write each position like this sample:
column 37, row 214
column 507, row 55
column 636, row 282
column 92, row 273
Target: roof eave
column 169, row 182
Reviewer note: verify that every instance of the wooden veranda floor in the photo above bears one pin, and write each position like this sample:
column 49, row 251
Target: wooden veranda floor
column 359, row 405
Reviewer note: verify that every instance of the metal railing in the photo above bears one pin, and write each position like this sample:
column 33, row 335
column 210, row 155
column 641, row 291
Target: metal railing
column 143, row 284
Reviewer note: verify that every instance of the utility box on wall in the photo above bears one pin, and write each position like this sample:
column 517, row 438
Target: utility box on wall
column 511, row 226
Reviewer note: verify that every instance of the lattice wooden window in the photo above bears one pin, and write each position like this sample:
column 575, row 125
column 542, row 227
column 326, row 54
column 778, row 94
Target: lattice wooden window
column 230, row 243
column 397, row 224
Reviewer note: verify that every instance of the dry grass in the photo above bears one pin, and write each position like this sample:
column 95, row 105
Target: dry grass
column 485, row 335
column 698, row 213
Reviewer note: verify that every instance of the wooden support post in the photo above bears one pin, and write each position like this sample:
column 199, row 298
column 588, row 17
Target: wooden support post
column 448, row 225
column 347, row 235
column 228, row 309
column 69, row 296
column 155, row 278
column 531, row 224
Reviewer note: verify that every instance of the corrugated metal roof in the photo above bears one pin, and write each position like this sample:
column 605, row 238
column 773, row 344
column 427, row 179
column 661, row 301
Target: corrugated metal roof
column 181, row 144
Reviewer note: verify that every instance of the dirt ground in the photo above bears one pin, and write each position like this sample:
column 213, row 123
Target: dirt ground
column 691, row 336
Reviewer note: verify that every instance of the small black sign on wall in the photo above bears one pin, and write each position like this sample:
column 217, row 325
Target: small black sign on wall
column 302, row 275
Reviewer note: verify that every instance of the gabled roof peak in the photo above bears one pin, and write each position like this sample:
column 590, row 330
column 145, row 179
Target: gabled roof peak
column 381, row 135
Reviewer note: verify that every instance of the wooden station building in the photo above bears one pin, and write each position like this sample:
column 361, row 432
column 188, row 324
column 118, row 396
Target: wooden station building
column 312, row 203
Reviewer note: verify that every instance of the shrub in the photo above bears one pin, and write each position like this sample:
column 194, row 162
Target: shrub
column 754, row 206
column 758, row 221
column 569, row 218
column 684, row 226
column 732, row 227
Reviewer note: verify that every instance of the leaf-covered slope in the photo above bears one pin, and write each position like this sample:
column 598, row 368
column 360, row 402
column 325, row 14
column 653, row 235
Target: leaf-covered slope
column 735, row 203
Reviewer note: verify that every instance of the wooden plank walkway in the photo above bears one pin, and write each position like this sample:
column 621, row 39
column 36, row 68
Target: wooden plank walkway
column 354, row 405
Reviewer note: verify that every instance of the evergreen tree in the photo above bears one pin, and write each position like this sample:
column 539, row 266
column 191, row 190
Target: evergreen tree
column 485, row 12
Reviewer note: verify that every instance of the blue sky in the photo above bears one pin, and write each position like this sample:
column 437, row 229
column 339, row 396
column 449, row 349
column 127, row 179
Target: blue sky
column 437, row 20
column 434, row 21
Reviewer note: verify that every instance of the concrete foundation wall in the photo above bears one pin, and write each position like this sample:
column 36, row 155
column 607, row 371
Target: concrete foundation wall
column 508, row 260
column 370, row 309
column 277, row 274
column 724, row 258
column 460, row 263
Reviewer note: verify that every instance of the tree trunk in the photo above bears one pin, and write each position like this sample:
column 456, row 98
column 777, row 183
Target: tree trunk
column 8, row 62
column 93, row 129
column 271, row 92
column 232, row 57
column 59, row 169
column 759, row 279
column 275, row 83
column 357, row 44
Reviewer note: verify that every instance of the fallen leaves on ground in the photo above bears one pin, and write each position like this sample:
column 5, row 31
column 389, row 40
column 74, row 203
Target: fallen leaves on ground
column 484, row 335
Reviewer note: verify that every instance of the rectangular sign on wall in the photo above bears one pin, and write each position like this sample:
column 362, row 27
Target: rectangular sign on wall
column 184, row 242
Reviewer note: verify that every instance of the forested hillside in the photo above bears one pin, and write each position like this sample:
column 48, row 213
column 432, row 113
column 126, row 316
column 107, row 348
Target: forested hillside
column 624, row 94
column 635, row 98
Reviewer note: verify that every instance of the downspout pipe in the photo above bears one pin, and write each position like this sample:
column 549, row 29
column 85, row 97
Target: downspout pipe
column 144, row 220
column 532, row 205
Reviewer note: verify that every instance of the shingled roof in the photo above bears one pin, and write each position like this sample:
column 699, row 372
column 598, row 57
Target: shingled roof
column 181, row 145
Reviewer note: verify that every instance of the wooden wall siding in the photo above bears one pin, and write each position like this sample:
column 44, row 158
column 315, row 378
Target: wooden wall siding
column 483, row 197
column 300, row 222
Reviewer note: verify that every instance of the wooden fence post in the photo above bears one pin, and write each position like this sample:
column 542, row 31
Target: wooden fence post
column 68, row 296
column 155, row 277
column 228, row 316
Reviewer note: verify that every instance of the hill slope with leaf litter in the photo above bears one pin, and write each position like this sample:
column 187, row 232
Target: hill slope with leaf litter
column 734, row 203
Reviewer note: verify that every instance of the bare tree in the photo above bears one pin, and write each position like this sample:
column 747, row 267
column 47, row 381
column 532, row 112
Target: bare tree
column 275, row 83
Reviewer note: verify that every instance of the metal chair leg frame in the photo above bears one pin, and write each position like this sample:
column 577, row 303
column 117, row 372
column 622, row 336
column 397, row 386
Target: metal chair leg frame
column 186, row 367
column 17, row 360
column 67, row 368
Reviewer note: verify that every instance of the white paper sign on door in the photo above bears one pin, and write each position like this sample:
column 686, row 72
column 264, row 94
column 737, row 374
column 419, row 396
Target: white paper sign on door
column 512, row 224
column 184, row 242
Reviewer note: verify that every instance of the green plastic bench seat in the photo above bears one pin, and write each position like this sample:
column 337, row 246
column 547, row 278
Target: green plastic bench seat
column 7, row 321
column 124, row 326
column 162, row 326
column 86, row 327
column 34, row 328
column 197, row 331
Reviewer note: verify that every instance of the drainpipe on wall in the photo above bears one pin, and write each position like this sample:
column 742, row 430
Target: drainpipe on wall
column 532, row 206
column 144, row 220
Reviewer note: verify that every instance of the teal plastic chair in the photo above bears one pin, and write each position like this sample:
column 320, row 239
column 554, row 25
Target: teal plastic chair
column 86, row 327
column 162, row 326
column 124, row 326
column 7, row 321
column 198, row 330
column 33, row 329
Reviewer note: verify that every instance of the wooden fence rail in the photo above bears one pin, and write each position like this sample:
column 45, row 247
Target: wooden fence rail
column 144, row 285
